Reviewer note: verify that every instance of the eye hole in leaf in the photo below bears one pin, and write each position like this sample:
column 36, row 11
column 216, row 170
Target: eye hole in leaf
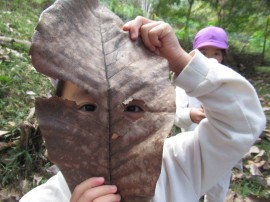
column 88, row 107
column 134, row 109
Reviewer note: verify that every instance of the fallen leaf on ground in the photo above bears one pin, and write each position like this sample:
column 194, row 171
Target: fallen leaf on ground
column 3, row 132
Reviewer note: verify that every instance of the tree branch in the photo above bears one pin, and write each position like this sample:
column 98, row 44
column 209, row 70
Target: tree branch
column 12, row 40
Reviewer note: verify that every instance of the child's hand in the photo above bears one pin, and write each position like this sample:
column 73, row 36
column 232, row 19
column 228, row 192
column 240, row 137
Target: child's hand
column 94, row 190
column 159, row 37
column 196, row 115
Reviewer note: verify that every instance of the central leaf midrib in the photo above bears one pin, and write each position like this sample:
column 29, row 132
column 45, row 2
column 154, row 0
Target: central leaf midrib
column 108, row 101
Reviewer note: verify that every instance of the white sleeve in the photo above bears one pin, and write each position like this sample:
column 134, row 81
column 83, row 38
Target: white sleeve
column 234, row 121
column 182, row 115
column 55, row 189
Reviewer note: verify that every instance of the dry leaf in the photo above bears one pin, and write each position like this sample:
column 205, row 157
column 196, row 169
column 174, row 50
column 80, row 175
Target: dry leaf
column 254, row 170
column 82, row 42
column 267, row 133
column 3, row 145
column 268, row 181
column 25, row 185
column 30, row 93
column 3, row 132
column 237, row 175
column 53, row 169
column 9, row 195
column 254, row 150
column 266, row 166
column 11, row 123
column 36, row 180
column 259, row 156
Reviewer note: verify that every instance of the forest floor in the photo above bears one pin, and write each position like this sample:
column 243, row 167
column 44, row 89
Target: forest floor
column 252, row 184
column 23, row 161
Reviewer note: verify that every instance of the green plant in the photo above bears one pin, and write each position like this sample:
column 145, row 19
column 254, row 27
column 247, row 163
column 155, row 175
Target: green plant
column 251, row 186
column 20, row 84
column 23, row 156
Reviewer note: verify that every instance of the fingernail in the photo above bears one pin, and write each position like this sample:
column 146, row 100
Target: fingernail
column 133, row 37
column 114, row 188
column 100, row 179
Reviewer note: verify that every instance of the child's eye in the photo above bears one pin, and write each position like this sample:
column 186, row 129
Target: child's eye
column 133, row 108
column 88, row 107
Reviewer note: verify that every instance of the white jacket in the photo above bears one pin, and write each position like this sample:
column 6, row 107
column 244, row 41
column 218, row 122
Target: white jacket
column 193, row 163
column 184, row 103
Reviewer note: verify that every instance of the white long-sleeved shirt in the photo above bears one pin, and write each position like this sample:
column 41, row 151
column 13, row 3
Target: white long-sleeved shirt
column 193, row 163
column 184, row 104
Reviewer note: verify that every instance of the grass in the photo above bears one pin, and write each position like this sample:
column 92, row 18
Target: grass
column 261, row 81
column 251, row 186
column 256, row 185
column 21, row 158
column 19, row 82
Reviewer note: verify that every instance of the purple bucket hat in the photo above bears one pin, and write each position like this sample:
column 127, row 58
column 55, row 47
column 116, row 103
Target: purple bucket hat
column 211, row 36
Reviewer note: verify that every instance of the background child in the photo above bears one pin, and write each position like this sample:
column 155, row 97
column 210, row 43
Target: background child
column 212, row 42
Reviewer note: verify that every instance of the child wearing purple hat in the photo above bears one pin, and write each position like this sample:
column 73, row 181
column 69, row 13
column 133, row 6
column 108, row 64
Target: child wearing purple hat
column 211, row 36
column 212, row 42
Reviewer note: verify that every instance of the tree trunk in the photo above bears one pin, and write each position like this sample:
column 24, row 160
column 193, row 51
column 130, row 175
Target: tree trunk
column 265, row 38
column 190, row 2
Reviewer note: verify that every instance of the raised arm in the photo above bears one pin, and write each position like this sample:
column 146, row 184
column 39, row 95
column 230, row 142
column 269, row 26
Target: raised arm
column 234, row 120
column 234, row 114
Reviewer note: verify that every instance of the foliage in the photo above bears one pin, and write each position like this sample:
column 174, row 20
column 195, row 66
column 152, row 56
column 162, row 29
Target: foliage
column 19, row 17
column 16, row 101
column 244, row 22
column 251, row 186
column 22, row 156
column 20, row 84
column 126, row 11
column 15, row 66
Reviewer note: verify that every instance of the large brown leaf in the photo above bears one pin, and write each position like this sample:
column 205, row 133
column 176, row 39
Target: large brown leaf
column 82, row 42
